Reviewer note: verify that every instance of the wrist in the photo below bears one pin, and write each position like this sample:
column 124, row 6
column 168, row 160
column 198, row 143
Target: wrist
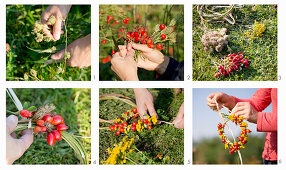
column 161, row 68
column 131, row 77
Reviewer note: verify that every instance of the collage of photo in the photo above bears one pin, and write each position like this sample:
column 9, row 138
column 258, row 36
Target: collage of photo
column 73, row 97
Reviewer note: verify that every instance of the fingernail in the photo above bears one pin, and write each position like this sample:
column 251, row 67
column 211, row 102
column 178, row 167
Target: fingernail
column 57, row 36
column 12, row 118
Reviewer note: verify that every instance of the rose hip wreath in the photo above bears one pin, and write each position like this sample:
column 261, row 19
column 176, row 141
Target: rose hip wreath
column 234, row 146
column 47, row 124
column 129, row 121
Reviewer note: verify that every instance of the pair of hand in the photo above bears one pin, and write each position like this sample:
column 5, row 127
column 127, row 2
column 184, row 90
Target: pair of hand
column 124, row 65
column 15, row 148
column 244, row 109
column 145, row 102
column 80, row 49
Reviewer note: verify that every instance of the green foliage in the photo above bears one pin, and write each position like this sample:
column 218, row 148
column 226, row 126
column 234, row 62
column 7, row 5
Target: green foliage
column 147, row 16
column 19, row 42
column 211, row 151
column 75, row 107
column 161, row 140
column 261, row 52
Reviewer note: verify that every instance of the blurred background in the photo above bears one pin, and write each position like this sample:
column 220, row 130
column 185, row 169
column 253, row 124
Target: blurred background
column 207, row 146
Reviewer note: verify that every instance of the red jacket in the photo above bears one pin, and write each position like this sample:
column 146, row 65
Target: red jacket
column 266, row 122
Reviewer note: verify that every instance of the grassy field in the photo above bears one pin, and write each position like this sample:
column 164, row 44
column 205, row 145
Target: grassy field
column 75, row 107
column 261, row 52
column 211, row 151
column 163, row 139
column 20, row 60
column 147, row 16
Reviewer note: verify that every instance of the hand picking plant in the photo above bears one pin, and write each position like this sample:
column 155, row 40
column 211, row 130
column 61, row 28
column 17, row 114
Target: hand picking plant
column 38, row 31
column 231, row 63
column 130, row 125
column 124, row 33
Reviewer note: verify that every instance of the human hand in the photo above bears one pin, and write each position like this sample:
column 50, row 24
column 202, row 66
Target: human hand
column 179, row 120
column 222, row 99
column 15, row 148
column 80, row 53
column 155, row 60
column 145, row 102
column 60, row 12
column 246, row 110
column 123, row 64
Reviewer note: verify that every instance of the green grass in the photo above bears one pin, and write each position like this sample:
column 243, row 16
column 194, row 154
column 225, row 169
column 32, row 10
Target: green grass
column 20, row 59
column 163, row 139
column 147, row 16
column 75, row 107
column 262, row 52
column 211, row 151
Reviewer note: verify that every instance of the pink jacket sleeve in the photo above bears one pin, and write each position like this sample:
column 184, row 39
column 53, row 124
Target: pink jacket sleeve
column 266, row 122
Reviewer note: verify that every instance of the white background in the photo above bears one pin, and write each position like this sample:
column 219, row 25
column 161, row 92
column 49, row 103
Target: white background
column 187, row 84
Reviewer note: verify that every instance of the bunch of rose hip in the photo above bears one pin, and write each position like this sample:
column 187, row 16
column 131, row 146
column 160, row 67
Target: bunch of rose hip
column 139, row 34
column 50, row 124
column 231, row 63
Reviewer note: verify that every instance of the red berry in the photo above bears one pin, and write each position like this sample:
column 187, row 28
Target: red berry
column 113, row 52
column 223, row 140
column 116, row 21
column 144, row 34
column 115, row 124
column 57, row 120
column 62, row 127
column 134, row 110
column 44, row 129
column 124, row 21
column 121, row 129
column 133, row 128
column 149, row 41
column 127, row 19
column 134, row 123
column 145, row 121
column 117, row 133
column 37, row 129
column 110, row 17
column 162, row 26
column 127, row 113
column 159, row 46
column 136, row 115
column 57, row 134
column 243, row 141
column 51, row 139
column 112, row 128
column 149, row 127
column 25, row 113
column 47, row 118
column 40, row 122
column 125, row 124
column 108, row 20
column 163, row 36
column 103, row 42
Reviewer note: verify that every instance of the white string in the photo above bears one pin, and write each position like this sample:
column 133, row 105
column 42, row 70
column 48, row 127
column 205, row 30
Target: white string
column 228, row 128
column 15, row 99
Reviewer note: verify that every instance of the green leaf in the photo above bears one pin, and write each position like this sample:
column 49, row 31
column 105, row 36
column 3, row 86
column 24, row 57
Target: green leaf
column 32, row 108
column 77, row 146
